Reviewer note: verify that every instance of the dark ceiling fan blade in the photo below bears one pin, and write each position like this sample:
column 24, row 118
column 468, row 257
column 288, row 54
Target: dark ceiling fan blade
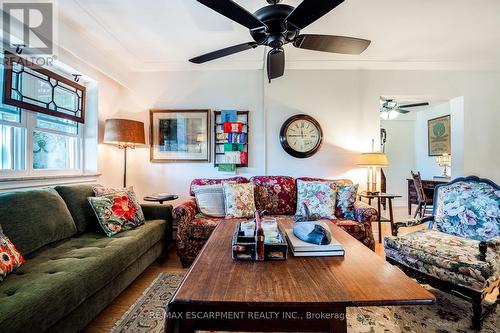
column 309, row 11
column 334, row 44
column 223, row 52
column 401, row 110
column 413, row 105
column 275, row 63
column 235, row 12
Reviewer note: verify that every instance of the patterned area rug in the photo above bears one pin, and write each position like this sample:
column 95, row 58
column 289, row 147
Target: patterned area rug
column 449, row 314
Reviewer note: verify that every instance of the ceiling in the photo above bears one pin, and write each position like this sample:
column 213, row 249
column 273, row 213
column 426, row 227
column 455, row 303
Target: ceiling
column 156, row 35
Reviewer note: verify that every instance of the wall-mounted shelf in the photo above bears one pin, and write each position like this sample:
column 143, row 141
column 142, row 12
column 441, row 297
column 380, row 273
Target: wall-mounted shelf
column 219, row 154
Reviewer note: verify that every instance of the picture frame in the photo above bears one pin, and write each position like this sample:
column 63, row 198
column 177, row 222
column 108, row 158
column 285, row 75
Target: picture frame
column 439, row 136
column 180, row 136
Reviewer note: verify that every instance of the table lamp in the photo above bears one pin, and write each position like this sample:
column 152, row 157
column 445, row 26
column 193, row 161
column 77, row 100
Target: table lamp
column 372, row 161
column 125, row 134
column 444, row 161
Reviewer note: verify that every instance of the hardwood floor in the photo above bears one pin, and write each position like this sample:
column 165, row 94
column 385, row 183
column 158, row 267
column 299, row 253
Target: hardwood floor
column 120, row 305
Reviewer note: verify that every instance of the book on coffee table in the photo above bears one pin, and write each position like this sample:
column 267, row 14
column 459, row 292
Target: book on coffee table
column 303, row 249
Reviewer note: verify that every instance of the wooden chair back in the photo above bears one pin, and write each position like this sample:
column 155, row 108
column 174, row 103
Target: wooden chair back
column 417, row 181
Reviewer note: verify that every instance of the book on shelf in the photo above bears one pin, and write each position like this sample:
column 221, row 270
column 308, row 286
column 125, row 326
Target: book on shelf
column 300, row 248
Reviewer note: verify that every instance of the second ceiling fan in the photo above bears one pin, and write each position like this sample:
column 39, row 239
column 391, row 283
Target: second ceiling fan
column 276, row 25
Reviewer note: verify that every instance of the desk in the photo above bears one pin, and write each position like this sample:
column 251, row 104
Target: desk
column 428, row 185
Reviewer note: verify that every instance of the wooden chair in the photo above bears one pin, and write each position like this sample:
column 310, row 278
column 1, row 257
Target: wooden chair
column 424, row 203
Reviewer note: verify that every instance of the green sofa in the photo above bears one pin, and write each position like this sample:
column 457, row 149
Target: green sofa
column 72, row 270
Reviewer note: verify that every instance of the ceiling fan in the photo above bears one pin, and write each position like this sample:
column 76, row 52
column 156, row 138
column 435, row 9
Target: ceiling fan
column 278, row 24
column 390, row 109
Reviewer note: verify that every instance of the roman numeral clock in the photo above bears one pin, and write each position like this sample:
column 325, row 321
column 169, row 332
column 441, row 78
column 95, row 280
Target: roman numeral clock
column 301, row 136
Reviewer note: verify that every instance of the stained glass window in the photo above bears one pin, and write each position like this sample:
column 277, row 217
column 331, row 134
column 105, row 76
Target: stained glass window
column 34, row 88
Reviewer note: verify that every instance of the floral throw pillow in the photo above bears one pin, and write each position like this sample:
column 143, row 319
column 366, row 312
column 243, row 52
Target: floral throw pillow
column 319, row 196
column 115, row 212
column 100, row 190
column 239, row 199
column 346, row 196
column 10, row 258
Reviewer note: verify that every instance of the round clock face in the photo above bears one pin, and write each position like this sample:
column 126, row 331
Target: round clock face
column 301, row 136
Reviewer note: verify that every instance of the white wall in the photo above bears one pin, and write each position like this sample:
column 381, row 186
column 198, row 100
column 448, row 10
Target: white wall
column 400, row 150
column 183, row 90
column 345, row 103
column 426, row 164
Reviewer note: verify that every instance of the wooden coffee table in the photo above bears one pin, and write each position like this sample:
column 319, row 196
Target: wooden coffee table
column 305, row 294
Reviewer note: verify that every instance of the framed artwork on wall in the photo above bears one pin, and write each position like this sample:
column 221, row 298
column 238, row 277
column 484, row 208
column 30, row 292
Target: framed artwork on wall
column 179, row 135
column 439, row 136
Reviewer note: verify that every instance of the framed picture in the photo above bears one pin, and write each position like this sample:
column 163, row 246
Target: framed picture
column 439, row 136
column 180, row 135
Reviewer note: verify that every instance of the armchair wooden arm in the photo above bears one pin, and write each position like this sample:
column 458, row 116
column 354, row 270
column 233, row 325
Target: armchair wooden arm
column 410, row 223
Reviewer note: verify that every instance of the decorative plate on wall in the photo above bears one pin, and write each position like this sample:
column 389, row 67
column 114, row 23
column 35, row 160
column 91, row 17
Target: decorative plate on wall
column 301, row 136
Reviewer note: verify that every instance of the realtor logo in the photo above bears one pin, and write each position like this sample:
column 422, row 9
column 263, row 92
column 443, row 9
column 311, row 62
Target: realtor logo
column 28, row 27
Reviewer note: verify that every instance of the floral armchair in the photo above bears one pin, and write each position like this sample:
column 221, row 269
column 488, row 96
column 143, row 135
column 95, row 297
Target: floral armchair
column 460, row 250
column 277, row 195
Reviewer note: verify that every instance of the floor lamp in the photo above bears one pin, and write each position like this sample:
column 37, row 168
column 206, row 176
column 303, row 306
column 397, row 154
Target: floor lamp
column 372, row 161
column 125, row 134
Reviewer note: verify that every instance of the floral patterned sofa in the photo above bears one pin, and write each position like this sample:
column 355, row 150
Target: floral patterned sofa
column 277, row 195
column 460, row 250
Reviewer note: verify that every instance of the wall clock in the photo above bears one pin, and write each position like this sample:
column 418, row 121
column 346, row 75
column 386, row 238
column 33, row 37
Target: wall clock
column 301, row 136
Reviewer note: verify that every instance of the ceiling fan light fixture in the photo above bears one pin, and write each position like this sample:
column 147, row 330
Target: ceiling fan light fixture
column 384, row 115
column 393, row 114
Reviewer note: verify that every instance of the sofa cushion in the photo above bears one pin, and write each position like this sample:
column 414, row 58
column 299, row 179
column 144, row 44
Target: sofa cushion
column 239, row 199
column 60, row 276
column 468, row 209
column 32, row 219
column 318, row 196
column 75, row 197
column 10, row 258
column 210, row 199
column 346, row 197
column 100, row 190
column 445, row 256
column 206, row 181
column 115, row 212
column 276, row 194
column 336, row 181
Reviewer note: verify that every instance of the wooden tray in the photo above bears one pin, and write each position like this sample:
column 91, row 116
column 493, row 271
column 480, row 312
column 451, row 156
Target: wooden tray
column 243, row 248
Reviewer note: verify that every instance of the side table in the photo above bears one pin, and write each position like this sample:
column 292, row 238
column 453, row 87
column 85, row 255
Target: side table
column 161, row 198
column 379, row 196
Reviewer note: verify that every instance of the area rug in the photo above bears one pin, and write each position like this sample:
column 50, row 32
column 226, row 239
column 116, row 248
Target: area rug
column 449, row 315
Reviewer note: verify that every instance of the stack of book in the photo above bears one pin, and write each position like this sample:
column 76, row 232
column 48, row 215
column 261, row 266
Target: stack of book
column 303, row 249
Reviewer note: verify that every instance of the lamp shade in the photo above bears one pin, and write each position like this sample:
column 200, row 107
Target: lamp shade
column 124, row 132
column 373, row 159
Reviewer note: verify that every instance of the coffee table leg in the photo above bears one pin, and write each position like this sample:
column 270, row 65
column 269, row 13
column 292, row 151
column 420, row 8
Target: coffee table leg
column 339, row 323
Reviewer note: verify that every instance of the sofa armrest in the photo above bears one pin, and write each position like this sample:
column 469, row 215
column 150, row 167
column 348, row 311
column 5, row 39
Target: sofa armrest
column 184, row 214
column 363, row 212
column 157, row 212
column 410, row 223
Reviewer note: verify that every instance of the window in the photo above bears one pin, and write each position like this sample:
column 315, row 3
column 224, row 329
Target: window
column 34, row 88
column 34, row 143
